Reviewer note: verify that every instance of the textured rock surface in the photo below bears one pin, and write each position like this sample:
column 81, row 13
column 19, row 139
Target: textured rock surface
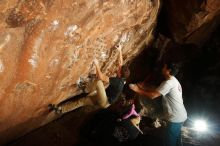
column 191, row 21
column 47, row 48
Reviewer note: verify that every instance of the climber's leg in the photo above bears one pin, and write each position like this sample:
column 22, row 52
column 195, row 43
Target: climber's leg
column 96, row 97
column 100, row 98
column 72, row 105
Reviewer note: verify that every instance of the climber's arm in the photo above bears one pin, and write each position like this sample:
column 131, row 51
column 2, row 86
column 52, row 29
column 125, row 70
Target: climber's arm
column 120, row 60
column 101, row 76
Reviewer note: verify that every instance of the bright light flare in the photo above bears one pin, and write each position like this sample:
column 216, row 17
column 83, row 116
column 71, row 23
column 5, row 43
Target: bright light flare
column 200, row 125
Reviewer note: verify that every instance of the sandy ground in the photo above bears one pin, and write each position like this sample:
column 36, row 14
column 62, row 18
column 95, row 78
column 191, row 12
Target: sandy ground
column 65, row 132
column 61, row 132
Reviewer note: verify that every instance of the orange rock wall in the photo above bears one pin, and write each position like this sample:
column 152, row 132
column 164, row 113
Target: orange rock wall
column 47, row 46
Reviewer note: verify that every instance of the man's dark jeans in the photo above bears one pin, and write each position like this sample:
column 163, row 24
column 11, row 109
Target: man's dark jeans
column 173, row 134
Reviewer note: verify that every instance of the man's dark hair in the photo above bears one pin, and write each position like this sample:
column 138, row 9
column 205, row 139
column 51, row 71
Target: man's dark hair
column 125, row 71
column 173, row 67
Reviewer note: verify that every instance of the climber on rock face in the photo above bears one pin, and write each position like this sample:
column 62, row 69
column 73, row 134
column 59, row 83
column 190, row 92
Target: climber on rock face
column 116, row 84
column 98, row 95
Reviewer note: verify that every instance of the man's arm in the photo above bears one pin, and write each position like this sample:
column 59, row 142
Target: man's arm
column 101, row 76
column 152, row 94
column 120, row 60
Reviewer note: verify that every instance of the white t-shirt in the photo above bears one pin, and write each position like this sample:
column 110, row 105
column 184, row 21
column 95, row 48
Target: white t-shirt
column 172, row 100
